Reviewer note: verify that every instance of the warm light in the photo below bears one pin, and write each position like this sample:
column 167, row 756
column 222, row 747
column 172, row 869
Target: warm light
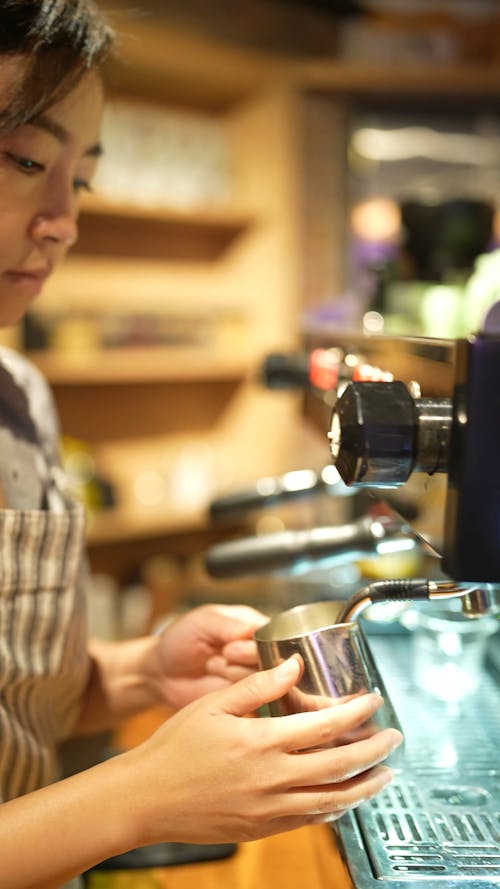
column 377, row 220
column 399, row 545
column 351, row 360
column 266, row 486
column 299, row 480
column 405, row 143
column 269, row 524
column 330, row 476
column 149, row 488
column 373, row 322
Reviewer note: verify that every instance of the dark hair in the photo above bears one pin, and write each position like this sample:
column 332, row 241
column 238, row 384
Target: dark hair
column 60, row 40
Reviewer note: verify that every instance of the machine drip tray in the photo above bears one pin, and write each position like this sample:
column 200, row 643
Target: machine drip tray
column 420, row 828
column 438, row 823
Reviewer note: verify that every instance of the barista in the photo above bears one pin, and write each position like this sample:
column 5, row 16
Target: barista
column 207, row 775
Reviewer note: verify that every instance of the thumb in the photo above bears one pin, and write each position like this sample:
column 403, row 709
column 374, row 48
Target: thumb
column 260, row 688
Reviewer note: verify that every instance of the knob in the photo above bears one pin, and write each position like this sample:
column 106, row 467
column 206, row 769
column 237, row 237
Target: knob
column 318, row 369
column 379, row 434
column 373, row 434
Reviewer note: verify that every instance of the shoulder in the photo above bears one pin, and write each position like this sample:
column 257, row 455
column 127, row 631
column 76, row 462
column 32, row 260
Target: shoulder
column 23, row 371
column 37, row 392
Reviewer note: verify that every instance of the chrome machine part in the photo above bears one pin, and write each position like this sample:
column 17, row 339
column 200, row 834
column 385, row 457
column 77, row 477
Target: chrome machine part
column 380, row 434
column 336, row 658
column 271, row 491
column 482, row 602
column 438, row 825
column 407, row 590
column 298, row 549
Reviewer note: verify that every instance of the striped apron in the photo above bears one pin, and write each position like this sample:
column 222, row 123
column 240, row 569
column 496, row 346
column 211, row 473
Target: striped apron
column 43, row 661
column 43, row 658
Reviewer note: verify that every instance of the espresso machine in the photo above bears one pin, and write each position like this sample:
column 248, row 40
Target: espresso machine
column 429, row 431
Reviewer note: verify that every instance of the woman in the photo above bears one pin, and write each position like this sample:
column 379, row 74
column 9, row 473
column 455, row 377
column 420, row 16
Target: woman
column 247, row 778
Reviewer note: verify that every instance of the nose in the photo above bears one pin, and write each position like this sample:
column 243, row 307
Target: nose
column 61, row 229
column 57, row 222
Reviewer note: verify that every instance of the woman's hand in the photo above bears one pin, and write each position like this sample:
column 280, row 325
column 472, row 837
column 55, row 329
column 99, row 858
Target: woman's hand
column 205, row 649
column 207, row 775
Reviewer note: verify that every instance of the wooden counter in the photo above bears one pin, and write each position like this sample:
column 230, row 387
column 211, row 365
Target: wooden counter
column 301, row 858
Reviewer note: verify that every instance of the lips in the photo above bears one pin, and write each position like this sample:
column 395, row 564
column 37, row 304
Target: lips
column 34, row 274
column 28, row 282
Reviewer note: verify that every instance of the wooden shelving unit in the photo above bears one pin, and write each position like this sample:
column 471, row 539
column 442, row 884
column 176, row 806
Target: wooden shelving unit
column 113, row 526
column 199, row 234
column 139, row 365
column 429, row 81
column 203, row 217
column 161, row 60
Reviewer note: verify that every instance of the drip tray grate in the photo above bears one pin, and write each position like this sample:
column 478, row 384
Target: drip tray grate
column 426, row 827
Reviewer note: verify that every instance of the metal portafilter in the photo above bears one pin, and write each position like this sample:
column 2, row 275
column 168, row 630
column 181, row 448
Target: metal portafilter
column 297, row 549
column 271, row 491
column 291, row 549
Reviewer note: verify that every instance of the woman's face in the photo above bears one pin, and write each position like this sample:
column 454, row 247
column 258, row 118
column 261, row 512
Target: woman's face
column 44, row 167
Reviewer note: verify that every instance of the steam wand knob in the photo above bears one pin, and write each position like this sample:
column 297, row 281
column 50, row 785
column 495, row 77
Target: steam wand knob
column 380, row 434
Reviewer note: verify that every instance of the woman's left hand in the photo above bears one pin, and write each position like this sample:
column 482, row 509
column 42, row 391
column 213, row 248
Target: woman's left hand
column 203, row 650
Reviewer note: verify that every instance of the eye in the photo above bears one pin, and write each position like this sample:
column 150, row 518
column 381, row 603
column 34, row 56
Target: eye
column 25, row 164
column 81, row 185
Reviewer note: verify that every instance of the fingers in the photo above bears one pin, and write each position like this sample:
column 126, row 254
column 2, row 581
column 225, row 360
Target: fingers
column 218, row 666
column 339, row 764
column 335, row 799
column 320, row 728
column 260, row 688
column 245, row 619
column 242, row 651
column 237, row 660
column 244, row 613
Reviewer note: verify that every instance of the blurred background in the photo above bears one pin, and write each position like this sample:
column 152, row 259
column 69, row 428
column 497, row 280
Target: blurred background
column 276, row 172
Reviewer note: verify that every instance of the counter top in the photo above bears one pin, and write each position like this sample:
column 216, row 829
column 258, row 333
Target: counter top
column 304, row 857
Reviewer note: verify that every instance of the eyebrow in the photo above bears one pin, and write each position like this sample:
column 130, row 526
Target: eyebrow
column 43, row 122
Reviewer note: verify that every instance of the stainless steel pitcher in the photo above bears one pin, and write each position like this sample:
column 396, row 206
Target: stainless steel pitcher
column 338, row 664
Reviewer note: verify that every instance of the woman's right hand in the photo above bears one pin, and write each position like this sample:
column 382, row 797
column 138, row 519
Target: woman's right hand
column 208, row 775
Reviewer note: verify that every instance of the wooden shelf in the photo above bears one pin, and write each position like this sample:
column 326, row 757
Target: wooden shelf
column 176, row 64
column 210, row 216
column 107, row 228
column 114, row 526
column 439, row 81
column 160, row 60
column 139, row 365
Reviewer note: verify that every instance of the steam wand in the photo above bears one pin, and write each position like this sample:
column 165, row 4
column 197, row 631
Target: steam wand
column 410, row 590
